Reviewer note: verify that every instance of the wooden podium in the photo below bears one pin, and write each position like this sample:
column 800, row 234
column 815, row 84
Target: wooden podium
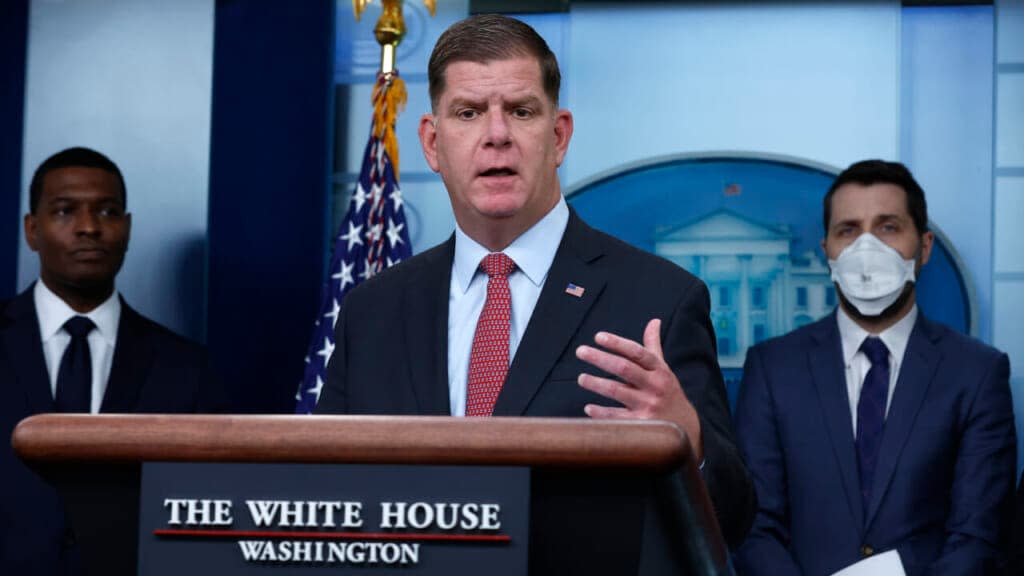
column 629, row 491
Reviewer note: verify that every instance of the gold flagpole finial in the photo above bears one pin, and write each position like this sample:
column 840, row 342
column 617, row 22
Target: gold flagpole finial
column 390, row 28
column 389, row 31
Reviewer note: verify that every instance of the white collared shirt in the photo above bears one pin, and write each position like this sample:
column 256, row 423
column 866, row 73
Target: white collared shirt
column 856, row 362
column 53, row 313
column 533, row 252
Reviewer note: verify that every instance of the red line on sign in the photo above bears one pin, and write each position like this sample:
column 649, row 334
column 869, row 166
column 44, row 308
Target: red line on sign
column 334, row 535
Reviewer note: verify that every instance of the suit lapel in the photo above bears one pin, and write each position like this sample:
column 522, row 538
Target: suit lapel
column 425, row 312
column 920, row 361
column 133, row 356
column 24, row 348
column 827, row 368
column 555, row 319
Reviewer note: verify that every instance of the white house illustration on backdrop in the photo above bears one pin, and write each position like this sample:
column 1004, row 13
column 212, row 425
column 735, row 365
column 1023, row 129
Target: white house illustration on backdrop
column 758, row 288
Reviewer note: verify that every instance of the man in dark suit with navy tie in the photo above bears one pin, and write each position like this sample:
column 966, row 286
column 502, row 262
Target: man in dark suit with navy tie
column 70, row 343
column 875, row 435
column 526, row 310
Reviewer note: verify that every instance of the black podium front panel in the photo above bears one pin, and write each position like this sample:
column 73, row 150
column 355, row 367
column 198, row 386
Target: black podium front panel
column 307, row 519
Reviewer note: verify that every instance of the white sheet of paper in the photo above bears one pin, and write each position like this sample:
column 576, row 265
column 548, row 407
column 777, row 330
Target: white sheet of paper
column 884, row 564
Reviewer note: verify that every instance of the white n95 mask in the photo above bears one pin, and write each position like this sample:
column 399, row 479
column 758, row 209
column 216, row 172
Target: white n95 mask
column 871, row 274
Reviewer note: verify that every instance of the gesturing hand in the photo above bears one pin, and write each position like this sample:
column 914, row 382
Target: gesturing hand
column 647, row 388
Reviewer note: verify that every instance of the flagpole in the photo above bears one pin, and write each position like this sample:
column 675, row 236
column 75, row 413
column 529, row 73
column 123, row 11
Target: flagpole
column 389, row 94
column 373, row 235
column 389, row 31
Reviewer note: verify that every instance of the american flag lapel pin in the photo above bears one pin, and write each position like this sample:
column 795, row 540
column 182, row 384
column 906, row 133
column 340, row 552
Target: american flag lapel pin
column 574, row 290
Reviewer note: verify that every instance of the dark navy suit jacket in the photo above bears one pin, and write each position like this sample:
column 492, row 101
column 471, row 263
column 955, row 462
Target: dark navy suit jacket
column 153, row 370
column 391, row 354
column 943, row 485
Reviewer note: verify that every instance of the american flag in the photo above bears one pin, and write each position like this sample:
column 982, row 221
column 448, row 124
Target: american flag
column 574, row 290
column 372, row 237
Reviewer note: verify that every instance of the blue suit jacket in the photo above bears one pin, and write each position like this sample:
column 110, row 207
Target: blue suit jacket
column 942, row 491
column 153, row 370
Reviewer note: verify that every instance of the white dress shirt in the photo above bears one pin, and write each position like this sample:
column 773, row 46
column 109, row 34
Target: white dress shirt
column 856, row 362
column 533, row 251
column 53, row 313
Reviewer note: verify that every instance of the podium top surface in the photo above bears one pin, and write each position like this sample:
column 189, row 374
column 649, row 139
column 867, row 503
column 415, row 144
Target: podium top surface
column 535, row 442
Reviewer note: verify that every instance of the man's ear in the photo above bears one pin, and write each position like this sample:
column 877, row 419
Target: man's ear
column 31, row 231
column 127, row 230
column 563, row 133
column 428, row 140
column 925, row 252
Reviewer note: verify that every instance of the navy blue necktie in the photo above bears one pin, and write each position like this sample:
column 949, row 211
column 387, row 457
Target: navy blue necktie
column 871, row 413
column 74, row 379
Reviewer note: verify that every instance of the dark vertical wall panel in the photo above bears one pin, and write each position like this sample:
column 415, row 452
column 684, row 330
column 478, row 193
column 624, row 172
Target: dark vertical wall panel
column 269, row 176
column 13, row 41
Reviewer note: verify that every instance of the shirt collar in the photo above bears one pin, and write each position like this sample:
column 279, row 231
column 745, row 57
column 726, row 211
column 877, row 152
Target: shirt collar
column 533, row 251
column 894, row 337
column 53, row 312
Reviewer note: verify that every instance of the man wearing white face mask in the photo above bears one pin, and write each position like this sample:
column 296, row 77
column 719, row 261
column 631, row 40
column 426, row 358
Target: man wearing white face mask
column 877, row 439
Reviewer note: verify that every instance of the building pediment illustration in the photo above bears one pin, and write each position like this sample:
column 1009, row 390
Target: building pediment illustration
column 724, row 232
column 726, row 225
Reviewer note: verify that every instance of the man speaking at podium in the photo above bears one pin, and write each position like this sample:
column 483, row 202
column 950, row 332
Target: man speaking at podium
column 70, row 344
column 526, row 310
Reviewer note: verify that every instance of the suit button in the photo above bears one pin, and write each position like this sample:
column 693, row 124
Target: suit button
column 866, row 550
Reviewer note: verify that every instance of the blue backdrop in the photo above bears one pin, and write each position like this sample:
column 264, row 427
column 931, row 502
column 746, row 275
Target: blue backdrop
column 13, row 34
column 268, row 188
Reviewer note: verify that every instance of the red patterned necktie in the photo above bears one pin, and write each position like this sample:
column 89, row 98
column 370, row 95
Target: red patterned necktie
column 488, row 360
